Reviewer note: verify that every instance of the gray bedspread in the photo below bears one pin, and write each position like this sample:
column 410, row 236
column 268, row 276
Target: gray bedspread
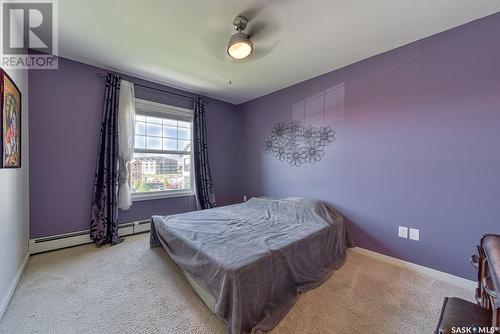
column 255, row 257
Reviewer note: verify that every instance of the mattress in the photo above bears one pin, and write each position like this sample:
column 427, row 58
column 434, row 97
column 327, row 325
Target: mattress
column 254, row 258
column 207, row 298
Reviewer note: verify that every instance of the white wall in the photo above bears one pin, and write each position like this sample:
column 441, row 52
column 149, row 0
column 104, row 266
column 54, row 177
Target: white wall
column 14, row 214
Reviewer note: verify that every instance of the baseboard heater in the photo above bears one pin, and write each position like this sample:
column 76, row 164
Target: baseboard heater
column 59, row 241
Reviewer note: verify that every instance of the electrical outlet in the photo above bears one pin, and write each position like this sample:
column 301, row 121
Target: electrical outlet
column 414, row 234
column 245, row 198
column 403, row 232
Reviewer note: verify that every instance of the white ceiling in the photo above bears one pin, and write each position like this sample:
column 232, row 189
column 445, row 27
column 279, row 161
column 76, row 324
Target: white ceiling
column 182, row 43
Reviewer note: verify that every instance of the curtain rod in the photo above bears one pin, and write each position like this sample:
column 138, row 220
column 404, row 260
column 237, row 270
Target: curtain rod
column 102, row 75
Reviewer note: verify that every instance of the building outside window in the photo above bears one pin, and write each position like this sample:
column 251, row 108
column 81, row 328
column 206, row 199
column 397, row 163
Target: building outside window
column 162, row 154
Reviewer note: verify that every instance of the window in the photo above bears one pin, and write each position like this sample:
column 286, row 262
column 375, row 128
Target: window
column 163, row 151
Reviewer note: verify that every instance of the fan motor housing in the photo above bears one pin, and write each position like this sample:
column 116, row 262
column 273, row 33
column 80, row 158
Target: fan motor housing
column 240, row 23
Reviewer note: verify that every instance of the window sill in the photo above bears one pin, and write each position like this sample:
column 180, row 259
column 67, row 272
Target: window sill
column 137, row 197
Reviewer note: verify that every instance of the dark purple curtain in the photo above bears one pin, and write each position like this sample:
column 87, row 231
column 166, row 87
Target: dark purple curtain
column 104, row 223
column 205, row 190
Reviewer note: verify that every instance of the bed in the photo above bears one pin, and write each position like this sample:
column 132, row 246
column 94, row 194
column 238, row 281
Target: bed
column 249, row 262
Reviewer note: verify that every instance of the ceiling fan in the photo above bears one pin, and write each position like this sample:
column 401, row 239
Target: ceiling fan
column 257, row 34
column 240, row 46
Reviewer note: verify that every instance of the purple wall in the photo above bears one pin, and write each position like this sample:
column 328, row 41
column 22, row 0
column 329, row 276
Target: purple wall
column 65, row 115
column 417, row 144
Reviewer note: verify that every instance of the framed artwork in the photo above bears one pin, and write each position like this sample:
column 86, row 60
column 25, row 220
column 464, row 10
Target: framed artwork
column 10, row 123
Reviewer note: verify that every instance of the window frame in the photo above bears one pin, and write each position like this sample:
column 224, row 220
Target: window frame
column 155, row 109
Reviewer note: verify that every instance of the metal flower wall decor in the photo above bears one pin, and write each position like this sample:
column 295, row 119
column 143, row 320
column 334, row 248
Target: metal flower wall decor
column 297, row 143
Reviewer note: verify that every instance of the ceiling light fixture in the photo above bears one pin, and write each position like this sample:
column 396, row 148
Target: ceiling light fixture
column 239, row 46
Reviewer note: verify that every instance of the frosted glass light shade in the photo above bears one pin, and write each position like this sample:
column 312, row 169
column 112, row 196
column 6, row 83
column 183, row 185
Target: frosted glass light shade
column 239, row 46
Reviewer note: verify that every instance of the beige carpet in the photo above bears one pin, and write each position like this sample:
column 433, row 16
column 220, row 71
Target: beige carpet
column 130, row 288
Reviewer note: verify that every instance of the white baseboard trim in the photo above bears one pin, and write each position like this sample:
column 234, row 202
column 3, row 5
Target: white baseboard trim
column 46, row 244
column 456, row 280
column 13, row 285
